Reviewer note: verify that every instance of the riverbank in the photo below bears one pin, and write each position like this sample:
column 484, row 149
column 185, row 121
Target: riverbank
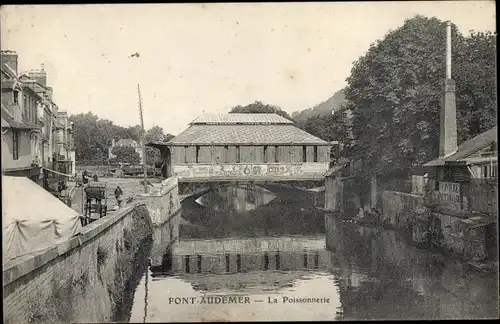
column 376, row 221
column 75, row 280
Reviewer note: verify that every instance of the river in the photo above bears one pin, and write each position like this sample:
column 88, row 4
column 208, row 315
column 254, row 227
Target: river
column 256, row 254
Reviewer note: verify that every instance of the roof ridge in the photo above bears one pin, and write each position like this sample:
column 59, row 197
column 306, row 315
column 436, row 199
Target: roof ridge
column 240, row 118
column 224, row 134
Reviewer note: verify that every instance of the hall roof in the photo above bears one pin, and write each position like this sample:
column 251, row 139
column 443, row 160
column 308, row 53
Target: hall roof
column 237, row 119
column 245, row 134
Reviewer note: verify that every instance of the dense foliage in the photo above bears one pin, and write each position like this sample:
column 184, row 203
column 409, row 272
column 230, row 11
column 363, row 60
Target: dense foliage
column 260, row 108
column 395, row 93
column 155, row 134
column 125, row 154
column 93, row 136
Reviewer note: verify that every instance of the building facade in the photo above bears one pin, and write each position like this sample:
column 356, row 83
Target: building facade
column 35, row 135
column 256, row 147
column 21, row 129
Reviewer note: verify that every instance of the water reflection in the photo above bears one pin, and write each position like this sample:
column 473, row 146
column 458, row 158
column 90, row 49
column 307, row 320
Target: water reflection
column 242, row 198
column 365, row 273
column 260, row 269
column 397, row 281
column 288, row 213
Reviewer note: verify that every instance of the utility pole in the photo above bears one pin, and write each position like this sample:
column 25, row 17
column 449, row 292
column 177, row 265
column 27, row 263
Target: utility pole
column 143, row 133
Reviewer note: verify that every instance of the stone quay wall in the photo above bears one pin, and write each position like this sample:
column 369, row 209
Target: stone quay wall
column 163, row 201
column 411, row 214
column 400, row 210
column 82, row 279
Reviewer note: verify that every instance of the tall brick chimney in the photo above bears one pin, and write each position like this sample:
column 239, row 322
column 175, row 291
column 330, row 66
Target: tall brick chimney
column 448, row 121
column 10, row 58
column 39, row 75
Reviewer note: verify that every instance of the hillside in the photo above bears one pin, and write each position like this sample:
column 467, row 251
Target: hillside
column 324, row 108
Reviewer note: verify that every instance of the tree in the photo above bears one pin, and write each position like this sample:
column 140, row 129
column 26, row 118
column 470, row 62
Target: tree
column 93, row 136
column 331, row 127
column 126, row 154
column 395, row 93
column 476, row 84
column 260, row 108
column 90, row 139
column 155, row 134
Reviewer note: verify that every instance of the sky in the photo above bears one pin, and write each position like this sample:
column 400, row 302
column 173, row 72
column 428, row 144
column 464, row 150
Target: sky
column 196, row 58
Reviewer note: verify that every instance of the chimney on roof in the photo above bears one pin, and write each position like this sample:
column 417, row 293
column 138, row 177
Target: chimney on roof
column 10, row 58
column 448, row 120
column 39, row 76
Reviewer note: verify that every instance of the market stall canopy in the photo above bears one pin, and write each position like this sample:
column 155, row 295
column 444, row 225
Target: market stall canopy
column 33, row 219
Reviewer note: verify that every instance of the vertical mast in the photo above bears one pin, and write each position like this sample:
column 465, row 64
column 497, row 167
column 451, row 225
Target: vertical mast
column 143, row 133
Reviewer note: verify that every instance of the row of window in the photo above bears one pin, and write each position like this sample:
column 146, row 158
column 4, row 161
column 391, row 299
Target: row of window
column 489, row 171
column 29, row 106
column 266, row 160
column 15, row 145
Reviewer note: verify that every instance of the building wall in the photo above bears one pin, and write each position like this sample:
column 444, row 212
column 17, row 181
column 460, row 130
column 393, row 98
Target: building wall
column 483, row 196
column 81, row 279
column 251, row 171
column 8, row 98
column 399, row 209
column 249, row 154
column 408, row 213
column 333, row 194
column 29, row 106
column 25, row 157
column 471, row 244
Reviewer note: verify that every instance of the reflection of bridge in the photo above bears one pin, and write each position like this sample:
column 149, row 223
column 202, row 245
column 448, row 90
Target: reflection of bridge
column 244, row 147
column 244, row 255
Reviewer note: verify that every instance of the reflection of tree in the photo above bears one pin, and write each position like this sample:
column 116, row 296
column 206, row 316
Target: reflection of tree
column 403, row 282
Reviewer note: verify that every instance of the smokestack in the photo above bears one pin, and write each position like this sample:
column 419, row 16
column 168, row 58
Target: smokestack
column 448, row 121
column 448, row 50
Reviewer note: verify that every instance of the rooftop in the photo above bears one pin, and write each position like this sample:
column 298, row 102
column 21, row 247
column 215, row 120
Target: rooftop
column 245, row 134
column 235, row 119
column 468, row 147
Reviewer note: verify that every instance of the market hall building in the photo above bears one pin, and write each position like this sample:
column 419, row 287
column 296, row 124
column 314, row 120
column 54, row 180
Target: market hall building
column 244, row 147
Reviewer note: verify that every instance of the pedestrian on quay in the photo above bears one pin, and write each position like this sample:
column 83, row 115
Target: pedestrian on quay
column 85, row 177
column 118, row 195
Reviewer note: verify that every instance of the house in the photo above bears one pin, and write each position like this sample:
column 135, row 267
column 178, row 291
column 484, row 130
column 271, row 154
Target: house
column 32, row 134
column 461, row 193
column 64, row 149
column 476, row 158
column 125, row 142
column 21, row 129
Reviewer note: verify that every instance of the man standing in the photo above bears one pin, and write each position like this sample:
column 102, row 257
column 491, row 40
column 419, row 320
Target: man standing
column 85, row 176
column 118, row 195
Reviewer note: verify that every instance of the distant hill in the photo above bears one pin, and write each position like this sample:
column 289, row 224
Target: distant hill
column 324, row 108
